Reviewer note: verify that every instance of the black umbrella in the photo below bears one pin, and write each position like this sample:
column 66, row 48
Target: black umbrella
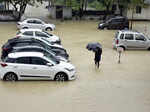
column 93, row 46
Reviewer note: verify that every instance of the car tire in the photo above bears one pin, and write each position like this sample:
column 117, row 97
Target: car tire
column 123, row 48
column 49, row 29
column 10, row 77
column 25, row 28
column 61, row 77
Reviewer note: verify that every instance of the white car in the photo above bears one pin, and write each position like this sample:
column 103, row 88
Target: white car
column 35, row 66
column 30, row 33
column 35, row 23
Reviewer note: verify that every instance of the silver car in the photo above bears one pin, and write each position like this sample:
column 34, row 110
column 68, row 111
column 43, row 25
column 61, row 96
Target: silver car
column 35, row 23
column 131, row 40
column 32, row 33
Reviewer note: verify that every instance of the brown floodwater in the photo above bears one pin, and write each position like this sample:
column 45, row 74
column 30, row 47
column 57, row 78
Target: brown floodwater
column 123, row 87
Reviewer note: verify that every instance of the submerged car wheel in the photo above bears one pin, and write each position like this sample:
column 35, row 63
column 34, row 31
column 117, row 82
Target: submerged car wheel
column 61, row 77
column 10, row 77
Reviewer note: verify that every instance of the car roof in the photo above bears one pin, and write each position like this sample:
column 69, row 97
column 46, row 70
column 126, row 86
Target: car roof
column 129, row 31
column 25, row 54
column 24, row 30
column 32, row 19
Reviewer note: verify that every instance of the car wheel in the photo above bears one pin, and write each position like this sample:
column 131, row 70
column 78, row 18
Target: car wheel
column 123, row 48
column 149, row 48
column 48, row 29
column 61, row 77
column 10, row 77
column 25, row 28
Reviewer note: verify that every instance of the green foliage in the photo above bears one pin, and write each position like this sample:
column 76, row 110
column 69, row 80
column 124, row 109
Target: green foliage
column 96, row 5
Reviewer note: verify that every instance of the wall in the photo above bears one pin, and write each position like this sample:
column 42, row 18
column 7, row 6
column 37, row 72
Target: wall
column 67, row 12
column 52, row 11
column 144, row 15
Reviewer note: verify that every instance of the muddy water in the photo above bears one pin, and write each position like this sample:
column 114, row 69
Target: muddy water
column 114, row 87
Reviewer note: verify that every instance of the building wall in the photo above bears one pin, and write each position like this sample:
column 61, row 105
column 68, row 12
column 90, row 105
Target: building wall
column 144, row 15
column 67, row 13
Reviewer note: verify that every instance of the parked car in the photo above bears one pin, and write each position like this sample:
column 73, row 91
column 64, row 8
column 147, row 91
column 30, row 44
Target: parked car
column 35, row 66
column 117, row 22
column 33, row 33
column 8, row 47
column 31, row 48
column 131, row 40
column 35, row 23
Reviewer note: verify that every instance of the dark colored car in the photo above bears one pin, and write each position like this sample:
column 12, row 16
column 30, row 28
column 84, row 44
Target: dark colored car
column 118, row 22
column 8, row 47
column 32, row 48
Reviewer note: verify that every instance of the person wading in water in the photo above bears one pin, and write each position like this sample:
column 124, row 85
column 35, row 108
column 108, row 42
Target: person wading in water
column 97, row 59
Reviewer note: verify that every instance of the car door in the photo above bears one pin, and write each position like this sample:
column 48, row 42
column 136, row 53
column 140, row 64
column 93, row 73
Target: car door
column 28, row 34
column 40, row 69
column 141, row 41
column 38, row 24
column 22, row 66
column 30, row 23
column 129, row 41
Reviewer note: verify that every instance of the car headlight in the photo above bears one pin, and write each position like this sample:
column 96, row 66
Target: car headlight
column 100, row 24
column 68, row 69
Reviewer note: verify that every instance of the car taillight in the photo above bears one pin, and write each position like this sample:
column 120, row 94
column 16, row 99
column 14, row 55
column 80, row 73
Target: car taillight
column 117, row 41
column 17, row 36
column 5, row 49
column 3, row 64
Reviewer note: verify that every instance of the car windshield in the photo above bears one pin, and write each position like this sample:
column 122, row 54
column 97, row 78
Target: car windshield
column 47, row 41
column 52, row 58
column 48, row 33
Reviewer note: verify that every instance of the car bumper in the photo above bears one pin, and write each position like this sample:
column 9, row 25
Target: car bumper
column 72, row 75
column 18, row 26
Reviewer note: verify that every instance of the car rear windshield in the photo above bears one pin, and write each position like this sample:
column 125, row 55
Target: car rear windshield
column 18, row 32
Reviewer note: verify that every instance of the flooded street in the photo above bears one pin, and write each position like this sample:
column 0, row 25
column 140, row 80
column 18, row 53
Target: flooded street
column 114, row 87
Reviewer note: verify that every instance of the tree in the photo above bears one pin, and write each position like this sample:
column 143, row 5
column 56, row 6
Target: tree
column 107, row 4
column 20, row 5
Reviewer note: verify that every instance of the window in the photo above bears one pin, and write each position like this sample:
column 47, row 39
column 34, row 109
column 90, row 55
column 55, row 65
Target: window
column 37, row 22
column 23, row 60
column 121, row 36
column 9, row 60
column 30, row 21
column 38, row 61
column 48, row 33
column 140, row 37
column 138, row 9
column 129, row 36
column 28, row 33
column 40, row 34
column 51, row 57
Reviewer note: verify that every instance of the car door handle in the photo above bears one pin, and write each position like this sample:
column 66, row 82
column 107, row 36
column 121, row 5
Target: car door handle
column 15, row 66
column 34, row 67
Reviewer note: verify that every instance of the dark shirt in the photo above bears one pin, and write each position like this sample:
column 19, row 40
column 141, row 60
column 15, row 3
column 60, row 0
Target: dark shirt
column 98, row 55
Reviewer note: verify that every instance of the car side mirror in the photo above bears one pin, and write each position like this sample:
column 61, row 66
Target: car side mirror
column 49, row 64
